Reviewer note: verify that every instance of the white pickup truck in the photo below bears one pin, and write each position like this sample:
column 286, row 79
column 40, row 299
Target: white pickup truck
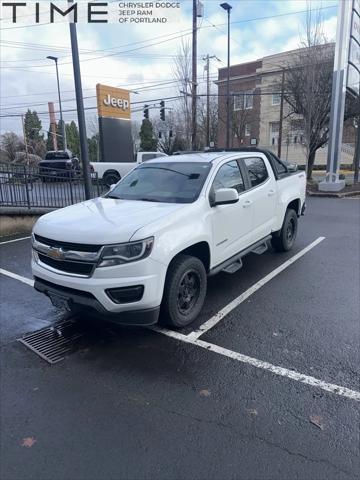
column 151, row 242
column 112, row 172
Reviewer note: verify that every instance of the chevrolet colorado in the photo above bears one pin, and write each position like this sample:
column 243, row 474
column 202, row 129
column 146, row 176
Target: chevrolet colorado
column 155, row 237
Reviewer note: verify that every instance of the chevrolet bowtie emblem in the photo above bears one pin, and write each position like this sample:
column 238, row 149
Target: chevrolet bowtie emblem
column 56, row 253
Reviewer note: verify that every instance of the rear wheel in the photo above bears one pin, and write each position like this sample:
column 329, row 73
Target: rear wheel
column 284, row 240
column 111, row 177
column 184, row 292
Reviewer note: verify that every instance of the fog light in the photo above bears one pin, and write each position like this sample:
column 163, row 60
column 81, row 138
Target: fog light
column 125, row 294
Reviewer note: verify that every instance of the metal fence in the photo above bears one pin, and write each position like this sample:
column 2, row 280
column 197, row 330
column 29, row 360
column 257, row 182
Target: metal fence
column 31, row 187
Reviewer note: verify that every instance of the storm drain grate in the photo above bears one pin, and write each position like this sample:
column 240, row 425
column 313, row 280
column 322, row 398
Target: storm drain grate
column 54, row 342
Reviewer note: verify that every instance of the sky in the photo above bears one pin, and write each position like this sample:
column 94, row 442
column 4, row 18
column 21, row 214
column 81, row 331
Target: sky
column 139, row 57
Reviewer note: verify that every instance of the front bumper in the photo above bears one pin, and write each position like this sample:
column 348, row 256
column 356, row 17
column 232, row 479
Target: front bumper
column 144, row 317
column 93, row 291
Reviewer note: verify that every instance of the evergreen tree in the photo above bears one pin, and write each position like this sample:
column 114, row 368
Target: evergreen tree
column 93, row 145
column 147, row 141
column 72, row 138
column 32, row 125
column 33, row 136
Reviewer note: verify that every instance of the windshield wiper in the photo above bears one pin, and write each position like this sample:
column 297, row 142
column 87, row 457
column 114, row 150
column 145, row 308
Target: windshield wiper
column 149, row 199
column 114, row 196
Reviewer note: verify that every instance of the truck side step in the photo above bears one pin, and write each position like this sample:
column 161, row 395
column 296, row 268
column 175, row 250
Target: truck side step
column 233, row 267
column 260, row 249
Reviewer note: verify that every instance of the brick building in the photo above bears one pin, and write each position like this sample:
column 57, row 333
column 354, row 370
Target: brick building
column 255, row 89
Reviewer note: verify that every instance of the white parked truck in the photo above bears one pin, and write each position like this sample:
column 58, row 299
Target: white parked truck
column 151, row 242
column 112, row 172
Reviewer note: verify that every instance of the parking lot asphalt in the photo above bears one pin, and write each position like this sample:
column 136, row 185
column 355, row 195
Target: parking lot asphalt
column 131, row 403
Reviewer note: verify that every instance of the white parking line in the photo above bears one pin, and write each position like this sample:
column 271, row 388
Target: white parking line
column 241, row 298
column 274, row 369
column 14, row 240
column 15, row 276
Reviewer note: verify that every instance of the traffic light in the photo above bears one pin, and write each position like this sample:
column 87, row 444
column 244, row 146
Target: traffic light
column 146, row 111
column 162, row 110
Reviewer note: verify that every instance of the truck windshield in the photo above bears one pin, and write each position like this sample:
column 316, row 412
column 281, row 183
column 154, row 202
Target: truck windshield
column 57, row 156
column 168, row 182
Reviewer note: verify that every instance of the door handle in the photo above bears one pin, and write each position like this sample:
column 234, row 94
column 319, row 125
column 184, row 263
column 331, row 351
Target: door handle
column 247, row 204
column 271, row 193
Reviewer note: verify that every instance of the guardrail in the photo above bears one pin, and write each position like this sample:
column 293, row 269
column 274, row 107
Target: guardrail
column 34, row 187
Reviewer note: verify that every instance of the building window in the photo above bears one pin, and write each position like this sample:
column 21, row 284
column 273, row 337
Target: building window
column 276, row 99
column 243, row 100
column 248, row 99
column 274, row 132
column 247, row 130
column 238, row 101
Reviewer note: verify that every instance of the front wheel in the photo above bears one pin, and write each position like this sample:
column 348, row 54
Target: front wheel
column 284, row 240
column 184, row 292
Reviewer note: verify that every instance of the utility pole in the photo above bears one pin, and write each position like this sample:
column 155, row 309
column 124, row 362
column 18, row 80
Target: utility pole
column 194, row 77
column 63, row 128
column 25, row 140
column 80, row 110
column 227, row 8
column 281, row 112
column 207, row 68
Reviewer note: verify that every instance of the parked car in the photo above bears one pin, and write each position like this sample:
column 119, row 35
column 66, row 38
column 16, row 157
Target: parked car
column 112, row 172
column 155, row 237
column 59, row 164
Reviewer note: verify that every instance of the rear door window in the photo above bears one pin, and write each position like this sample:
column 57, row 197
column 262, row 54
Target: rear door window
column 256, row 170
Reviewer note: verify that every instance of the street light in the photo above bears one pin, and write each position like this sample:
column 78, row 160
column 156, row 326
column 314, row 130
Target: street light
column 227, row 8
column 61, row 116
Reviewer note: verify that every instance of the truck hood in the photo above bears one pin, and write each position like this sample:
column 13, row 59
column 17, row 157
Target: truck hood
column 101, row 221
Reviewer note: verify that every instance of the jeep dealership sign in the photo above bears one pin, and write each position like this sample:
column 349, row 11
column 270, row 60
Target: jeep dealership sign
column 114, row 109
column 113, row 102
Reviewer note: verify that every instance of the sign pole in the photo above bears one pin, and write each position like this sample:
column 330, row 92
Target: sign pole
column 332, row 182
column 80, row 109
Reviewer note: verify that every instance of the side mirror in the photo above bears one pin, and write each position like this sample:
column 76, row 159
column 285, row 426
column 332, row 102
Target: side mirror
column 292, row 167
column 225, row 196
column 112, row 186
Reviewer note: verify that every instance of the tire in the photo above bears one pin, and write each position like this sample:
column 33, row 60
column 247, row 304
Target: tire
column 284, row 240
column 184, row 292
column 111, row 177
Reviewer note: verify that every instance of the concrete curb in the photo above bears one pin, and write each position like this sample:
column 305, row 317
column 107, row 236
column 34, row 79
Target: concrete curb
column 25, row 210
column 334, row 195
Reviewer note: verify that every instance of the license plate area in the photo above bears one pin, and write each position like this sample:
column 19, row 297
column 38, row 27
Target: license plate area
column 60, row 302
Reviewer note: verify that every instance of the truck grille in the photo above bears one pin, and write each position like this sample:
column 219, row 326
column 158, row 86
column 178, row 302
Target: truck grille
column 79, row 247
column 68, row 266
column 58, row 255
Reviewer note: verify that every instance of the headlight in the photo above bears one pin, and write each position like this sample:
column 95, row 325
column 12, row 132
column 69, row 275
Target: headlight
column 125, row 252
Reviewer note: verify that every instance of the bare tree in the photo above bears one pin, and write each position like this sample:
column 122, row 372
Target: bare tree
column 11, row 144
column 202, row 119
column 182, row 74
column 308, row 84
